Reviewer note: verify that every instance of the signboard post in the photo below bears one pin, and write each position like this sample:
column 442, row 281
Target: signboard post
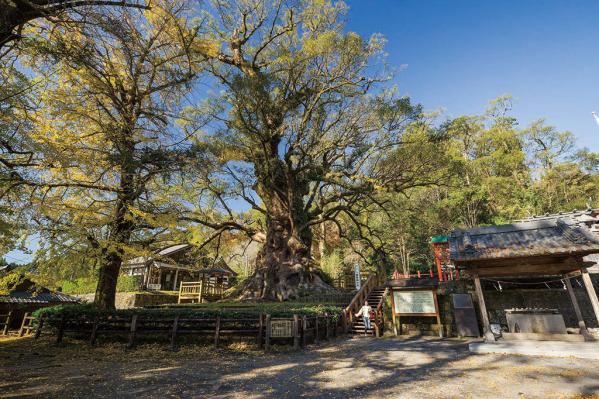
column 357, row 276
column 415, row 302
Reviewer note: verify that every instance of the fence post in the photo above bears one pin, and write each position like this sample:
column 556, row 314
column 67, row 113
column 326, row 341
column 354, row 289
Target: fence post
column 61, row 329
column 22, row 330
column 174, row 332
column 296, row 337
column 132, row 332
column 38, row 331
column 327, row 326
column 7, row 321
column 92, row 338
column 334, row 324
column 217, row 331
column 260, row 330
column 316, row 332
column 304, row 331
column 267, row 335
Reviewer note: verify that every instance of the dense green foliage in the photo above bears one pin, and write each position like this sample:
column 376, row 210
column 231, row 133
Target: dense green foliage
column 229, row 121
column 496, row 172
column 231, row 310
column 87, row 285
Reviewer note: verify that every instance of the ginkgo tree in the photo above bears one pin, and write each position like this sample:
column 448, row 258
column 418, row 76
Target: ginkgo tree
column 108, row 132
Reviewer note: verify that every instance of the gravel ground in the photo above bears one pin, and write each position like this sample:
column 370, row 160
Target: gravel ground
column 346, row 368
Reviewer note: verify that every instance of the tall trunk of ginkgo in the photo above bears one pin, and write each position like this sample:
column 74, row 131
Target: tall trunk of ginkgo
column 120, row 232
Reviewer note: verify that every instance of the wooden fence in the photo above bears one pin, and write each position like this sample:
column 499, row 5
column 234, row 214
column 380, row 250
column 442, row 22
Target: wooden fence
column 5, row 322
column 301, row 330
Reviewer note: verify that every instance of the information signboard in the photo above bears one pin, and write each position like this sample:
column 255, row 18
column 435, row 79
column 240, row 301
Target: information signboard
column 418, row 302
column 357, row 276
column 281, row 328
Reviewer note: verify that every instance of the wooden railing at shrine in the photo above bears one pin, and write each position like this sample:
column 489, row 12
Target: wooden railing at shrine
column 379, row 320
column 358, row 300
column 446, row 275
column 200, row 291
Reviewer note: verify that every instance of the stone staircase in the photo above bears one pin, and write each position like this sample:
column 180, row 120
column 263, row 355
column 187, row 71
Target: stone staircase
column 374, row 298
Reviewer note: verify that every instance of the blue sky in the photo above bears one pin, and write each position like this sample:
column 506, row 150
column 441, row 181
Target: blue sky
column 461, row 54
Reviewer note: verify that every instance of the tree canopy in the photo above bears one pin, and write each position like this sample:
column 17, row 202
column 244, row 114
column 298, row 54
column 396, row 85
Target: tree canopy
column 234, row 122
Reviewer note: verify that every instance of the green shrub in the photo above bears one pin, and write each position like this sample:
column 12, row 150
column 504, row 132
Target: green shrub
column 241, row 310
column 87, row 285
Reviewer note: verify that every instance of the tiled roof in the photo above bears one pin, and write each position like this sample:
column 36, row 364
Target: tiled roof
column 29, row 297
column 551, row 236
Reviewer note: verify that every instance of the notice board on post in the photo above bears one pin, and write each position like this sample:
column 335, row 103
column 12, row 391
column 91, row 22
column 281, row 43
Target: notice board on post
column 414, row 298
column 415, row 302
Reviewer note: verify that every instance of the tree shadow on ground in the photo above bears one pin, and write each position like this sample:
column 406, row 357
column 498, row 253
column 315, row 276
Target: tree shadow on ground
column 344, row 368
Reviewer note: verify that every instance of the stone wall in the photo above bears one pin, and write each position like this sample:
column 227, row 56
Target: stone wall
column 128, row 300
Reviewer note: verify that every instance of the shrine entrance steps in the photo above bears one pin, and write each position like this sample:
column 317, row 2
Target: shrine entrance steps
column 374, row 298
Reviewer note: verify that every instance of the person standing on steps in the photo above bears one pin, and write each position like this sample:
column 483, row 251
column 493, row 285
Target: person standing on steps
column 365, row 313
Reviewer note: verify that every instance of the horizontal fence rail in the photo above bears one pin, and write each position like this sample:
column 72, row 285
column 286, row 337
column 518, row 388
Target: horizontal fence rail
column 298, row 330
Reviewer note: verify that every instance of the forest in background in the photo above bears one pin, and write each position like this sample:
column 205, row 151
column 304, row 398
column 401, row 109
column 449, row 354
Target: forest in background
column 124, row 129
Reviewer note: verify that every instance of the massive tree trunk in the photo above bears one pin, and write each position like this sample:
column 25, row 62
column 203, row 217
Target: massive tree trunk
column 284, row 264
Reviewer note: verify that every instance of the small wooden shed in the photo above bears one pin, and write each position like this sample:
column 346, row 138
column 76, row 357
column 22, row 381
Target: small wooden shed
column 551, row 248
column 25, row 297
column 169, row 266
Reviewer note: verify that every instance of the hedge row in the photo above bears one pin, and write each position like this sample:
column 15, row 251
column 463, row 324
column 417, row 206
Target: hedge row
column 241, row 311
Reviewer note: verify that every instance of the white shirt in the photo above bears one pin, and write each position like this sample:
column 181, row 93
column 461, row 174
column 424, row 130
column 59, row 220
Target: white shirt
column 364, row 311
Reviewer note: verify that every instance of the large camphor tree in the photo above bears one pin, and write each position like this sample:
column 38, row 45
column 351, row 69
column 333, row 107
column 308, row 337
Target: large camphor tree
column 15, row 14
column 106, row 130
column 305, row 131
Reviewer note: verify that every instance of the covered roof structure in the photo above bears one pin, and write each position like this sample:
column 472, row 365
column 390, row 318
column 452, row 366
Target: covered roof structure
column 547, row 246
column 28, row 292
column 552, row 246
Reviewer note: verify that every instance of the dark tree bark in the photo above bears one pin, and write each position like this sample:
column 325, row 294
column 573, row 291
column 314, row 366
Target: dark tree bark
column 16, row 13
column 284, row 264
column 121, row 229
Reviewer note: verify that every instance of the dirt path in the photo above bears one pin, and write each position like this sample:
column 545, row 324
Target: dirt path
column 354, row 368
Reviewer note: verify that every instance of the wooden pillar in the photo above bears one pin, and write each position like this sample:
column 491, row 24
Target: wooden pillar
column 296, row 332
column 132, row 332
column 581, row 324
column 7, row 323
column 40, row 325
column 393, row 313
column 217, row 331
column 175, row 280
column 267, row 333
column 483, row 310
column 439, row 324
column 202, row 284
column 304, row 331
column 146, row 279
column 94, row 334
column 22, row 330
column 174, row 333
column 588, row 284
column 260, row 330
column 61, row 329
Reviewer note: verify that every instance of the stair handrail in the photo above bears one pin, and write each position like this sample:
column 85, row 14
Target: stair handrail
column 379, row 319
column 360, row 297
